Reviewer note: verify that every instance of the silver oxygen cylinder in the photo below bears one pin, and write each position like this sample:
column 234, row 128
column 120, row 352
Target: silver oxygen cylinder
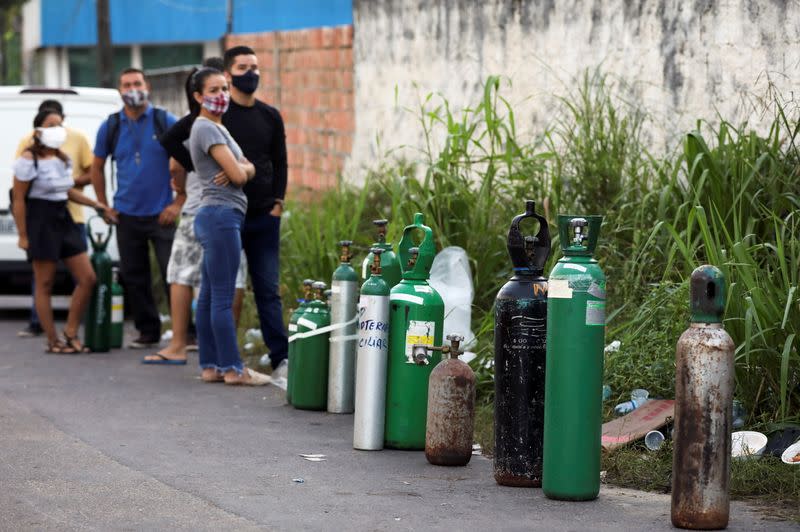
column 342, row 364
column 704, row 385
column 372, row 359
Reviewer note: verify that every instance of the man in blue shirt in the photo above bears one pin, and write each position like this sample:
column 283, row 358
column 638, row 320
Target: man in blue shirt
column 143, row 200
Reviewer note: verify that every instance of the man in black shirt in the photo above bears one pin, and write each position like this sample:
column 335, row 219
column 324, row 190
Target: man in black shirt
column 258, row 129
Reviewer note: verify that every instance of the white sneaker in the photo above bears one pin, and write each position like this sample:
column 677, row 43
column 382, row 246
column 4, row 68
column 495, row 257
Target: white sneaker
column 280, row 375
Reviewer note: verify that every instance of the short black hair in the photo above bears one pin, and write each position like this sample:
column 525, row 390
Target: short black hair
column 232, row 53
column 214, row 62
column 131, row 70
column 52, row 105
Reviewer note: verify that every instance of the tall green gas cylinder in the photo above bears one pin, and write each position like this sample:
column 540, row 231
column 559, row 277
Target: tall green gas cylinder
column 390, row 266
column 117, row 310
column 98, row 318
column 342, row 360
column 576, row 316
column 292, row 328
column 310, row 388
column 416, row 316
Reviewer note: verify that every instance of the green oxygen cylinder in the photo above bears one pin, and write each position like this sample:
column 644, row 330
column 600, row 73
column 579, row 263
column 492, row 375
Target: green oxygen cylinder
column 416, row 318
column 292, row 328
column 98, row 318
column 117, row 310
column 576, row 315
column 310, row 389
column 390, row 266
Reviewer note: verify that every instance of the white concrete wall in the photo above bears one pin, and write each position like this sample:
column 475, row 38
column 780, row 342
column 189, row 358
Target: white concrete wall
column 683, row 60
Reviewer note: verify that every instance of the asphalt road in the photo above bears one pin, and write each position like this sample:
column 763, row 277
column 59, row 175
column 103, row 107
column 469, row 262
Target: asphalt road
column 100, row 442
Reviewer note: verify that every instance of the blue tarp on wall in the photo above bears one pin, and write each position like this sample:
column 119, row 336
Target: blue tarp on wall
column 73, row 22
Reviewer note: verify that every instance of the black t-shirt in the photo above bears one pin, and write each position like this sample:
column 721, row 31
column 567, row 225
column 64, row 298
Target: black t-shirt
column 260, row 133
column 172, row 141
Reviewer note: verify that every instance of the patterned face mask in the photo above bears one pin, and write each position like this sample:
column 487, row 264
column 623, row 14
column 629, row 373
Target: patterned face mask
column 135, row 98
column 217, row 105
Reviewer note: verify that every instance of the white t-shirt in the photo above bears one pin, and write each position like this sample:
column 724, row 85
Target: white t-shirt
column 51, row 180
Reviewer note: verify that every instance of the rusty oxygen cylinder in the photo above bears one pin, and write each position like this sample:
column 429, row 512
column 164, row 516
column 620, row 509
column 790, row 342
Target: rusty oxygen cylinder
column 519, row 357
column 451, row 406
column 704, row 385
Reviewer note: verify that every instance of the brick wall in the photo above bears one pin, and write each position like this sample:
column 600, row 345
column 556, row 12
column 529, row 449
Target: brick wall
column 308, row 75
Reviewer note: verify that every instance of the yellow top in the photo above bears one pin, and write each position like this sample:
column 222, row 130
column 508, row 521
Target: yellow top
column 78, row 149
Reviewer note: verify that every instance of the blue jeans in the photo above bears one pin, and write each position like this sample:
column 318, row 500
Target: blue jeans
column 261, row 237
column 34, row 315
column 218, row 229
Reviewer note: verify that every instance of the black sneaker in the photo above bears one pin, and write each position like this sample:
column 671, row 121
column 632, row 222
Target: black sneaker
column 30, row 331
column 144, row 342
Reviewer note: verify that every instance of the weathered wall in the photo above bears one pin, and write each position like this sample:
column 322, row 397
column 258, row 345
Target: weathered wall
column 308, row 76
column 684, row 60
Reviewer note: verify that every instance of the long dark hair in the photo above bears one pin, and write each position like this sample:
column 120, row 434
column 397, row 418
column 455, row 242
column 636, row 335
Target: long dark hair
column 209, row 62
column 37, row 149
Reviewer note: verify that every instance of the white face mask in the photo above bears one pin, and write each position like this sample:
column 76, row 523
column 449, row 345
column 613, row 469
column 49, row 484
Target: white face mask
column 52, row 137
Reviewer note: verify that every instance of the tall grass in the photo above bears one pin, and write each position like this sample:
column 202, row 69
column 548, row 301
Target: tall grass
column 726, row 196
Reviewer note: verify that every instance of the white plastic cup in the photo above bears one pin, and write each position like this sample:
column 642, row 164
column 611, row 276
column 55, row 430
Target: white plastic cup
column 653, row 440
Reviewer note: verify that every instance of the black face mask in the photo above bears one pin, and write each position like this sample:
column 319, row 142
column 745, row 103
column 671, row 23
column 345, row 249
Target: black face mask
column 247, row 82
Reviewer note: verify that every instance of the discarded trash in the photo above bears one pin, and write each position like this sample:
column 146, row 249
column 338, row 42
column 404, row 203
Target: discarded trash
column 654, row 414
column 653, row 440
column 779, row 441
column 476, row 449
column 613, row 347
column 312, row 455
column 452, row 278
column 248, row 346
column 739, row 414
column 298, row 480
column 265, row 361
column 606, row 392
column 792, row 454
column 313, row 459
column 467, row 356
column 638, row 398
column 253, row 335
column 396, row 518
column 164, row 318
column 747, row 444
column 167, row 336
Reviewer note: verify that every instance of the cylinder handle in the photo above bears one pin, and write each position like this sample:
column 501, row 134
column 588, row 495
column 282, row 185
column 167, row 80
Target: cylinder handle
column 529, row 253
column 346, row 256
column 708, row 292
column 376, row 260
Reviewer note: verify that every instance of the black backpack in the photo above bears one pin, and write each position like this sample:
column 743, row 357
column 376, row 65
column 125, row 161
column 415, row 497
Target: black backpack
column 113, row 123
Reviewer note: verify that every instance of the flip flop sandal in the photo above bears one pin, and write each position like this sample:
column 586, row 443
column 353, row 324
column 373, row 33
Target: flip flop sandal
column 59, row 348
column 76, row 347
column 164, row 361
column 254, row 379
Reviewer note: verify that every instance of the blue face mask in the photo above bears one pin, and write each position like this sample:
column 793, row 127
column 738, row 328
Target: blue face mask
column 247, row 82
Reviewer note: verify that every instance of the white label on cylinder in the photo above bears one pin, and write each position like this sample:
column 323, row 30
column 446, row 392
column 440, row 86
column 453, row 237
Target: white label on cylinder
column 559, row 289
column 292, row 327
column 117, row 309
column 408, row 298
column 577, row 267
column 419, row 332
column 365, row 267
column 308, row 324
column 336, row 289
column 423, row 288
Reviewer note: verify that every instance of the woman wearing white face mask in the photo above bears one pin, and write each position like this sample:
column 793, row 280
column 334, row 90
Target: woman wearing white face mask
column 42, row 184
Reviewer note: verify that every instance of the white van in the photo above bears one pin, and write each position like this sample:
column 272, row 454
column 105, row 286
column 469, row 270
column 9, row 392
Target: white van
column 84, row 110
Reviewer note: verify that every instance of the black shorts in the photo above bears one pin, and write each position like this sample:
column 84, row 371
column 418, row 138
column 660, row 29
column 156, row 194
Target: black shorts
column 52, row 235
